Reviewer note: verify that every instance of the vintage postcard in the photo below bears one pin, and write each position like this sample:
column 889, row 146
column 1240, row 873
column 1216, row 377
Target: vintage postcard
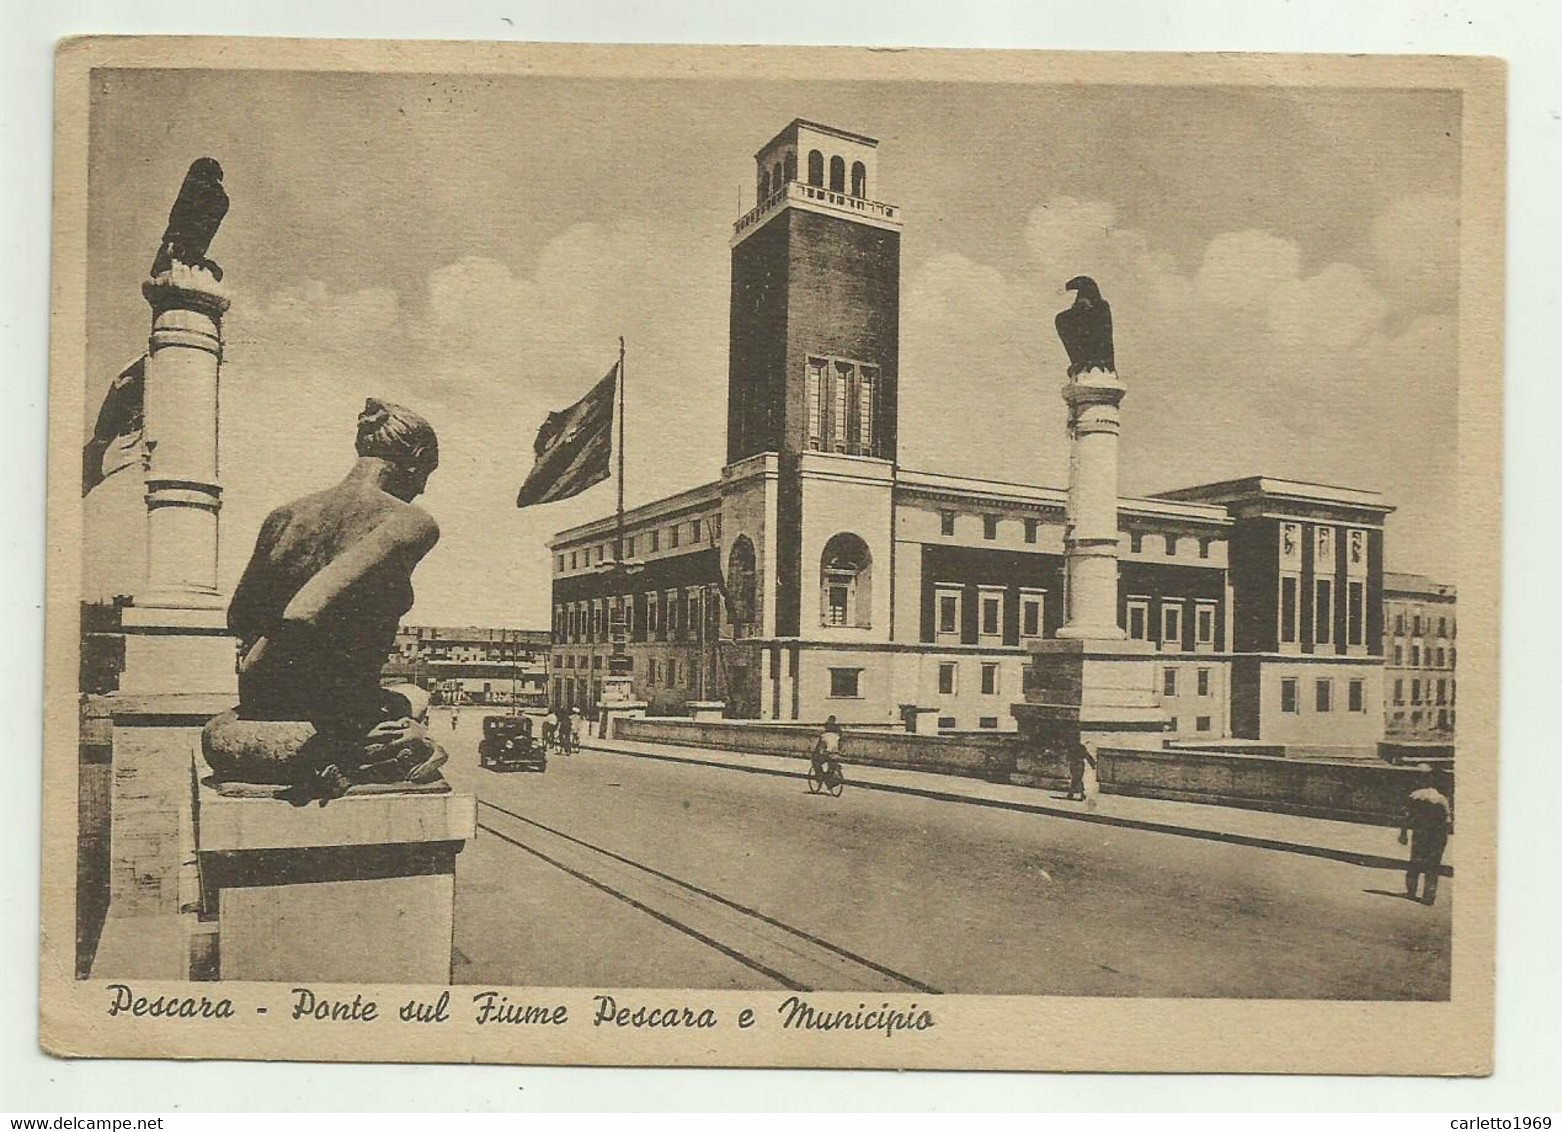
column 773, row 557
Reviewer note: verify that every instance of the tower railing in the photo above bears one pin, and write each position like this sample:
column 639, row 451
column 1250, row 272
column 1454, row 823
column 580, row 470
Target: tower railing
column 817, row 194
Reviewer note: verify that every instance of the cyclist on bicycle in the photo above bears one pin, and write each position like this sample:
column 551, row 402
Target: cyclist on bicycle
column 827, row 747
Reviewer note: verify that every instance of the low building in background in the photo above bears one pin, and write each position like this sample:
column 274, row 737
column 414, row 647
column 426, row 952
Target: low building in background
column 471, row 663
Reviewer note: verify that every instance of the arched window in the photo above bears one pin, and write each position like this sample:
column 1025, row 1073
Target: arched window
column 845, row 582
column 859, row 179
column 816, row 168
column 837, row 175
column 740, row 585
column 764, row 185
column 791, row 166
column 775, row 178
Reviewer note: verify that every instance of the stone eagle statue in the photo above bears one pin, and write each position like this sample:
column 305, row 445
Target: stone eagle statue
column 1086, row 328
column 194, row 219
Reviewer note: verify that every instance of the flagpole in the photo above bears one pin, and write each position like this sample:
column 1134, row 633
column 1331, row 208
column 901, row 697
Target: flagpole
column 618, row 553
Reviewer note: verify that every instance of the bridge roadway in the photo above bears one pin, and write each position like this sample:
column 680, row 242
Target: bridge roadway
column 615, row 871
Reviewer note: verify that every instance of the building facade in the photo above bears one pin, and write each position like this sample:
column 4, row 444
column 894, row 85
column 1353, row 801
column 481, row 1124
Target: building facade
column 817, row 576
column 1420, row 656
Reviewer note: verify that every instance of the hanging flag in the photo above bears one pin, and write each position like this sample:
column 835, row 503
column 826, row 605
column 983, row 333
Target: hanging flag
column 574, row 447
column 119, row 437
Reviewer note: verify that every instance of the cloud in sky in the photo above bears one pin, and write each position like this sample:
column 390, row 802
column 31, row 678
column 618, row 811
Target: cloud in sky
column 485, row 352
column 1250, row 361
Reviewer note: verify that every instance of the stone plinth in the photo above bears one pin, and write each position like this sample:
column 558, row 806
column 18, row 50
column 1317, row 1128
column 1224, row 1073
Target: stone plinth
column 150, row 926
column 707, row 711
column 1095, row 684
column 361, row 889
column 1084, row 694
column 609, row 710
column 178, row 651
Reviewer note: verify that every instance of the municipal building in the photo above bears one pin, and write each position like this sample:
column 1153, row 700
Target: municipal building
column 815, row 575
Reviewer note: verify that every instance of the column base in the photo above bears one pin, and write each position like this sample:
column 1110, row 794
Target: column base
column 1091, row 633
column 1086, row 693
column 177, row 650
column 173, row 598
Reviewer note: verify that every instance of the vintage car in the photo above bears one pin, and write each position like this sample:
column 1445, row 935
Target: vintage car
column 512, row 742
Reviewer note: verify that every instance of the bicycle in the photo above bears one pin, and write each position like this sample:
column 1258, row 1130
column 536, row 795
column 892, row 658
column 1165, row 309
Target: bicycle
column 829, row 779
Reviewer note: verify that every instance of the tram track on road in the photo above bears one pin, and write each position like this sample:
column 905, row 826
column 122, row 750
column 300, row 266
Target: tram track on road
column 796, row 959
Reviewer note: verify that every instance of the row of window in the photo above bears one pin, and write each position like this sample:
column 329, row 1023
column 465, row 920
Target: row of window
column 1433, row 658
column 677, row 614
column 1443, row 720
column 1419, row 627
column 1323, row 611
column 1138, row 616
column 843, row 397
column 949, row 678
column 692, row 532
column 949, row 603
column 947, row 520
column 663, row 672
column 1169, row 543
column 566, row 661
column 1170, row 680
column 1323, row 695
column 1446, row 692
column 658, row 671
column 986, row 723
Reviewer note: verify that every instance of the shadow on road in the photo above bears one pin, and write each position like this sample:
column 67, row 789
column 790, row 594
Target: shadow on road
column 1386, row 892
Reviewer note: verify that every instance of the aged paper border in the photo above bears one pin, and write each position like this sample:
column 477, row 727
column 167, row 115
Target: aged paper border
column 973, row 1032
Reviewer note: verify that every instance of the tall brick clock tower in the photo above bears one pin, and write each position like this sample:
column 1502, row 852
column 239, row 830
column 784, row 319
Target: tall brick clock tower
column 813, row 366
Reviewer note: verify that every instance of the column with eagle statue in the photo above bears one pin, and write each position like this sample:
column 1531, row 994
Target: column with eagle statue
column 1089, row 685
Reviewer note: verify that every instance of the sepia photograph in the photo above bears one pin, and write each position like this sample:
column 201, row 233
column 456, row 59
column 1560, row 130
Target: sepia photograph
column 596, row 551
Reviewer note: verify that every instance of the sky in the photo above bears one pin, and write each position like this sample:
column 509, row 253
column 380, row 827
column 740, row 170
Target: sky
column 1281, row 265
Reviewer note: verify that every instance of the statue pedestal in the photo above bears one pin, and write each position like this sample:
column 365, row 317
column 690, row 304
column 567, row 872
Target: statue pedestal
column 360, row 890
column 1087, row 693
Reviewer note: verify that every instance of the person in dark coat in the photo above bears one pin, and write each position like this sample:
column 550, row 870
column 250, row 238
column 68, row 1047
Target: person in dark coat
column 1428, row 821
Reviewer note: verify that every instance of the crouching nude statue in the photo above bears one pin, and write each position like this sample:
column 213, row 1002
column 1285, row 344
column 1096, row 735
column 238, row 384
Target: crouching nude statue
column 316, row 615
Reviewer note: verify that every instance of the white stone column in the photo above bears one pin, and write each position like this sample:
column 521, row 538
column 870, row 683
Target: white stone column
column 183, row 492
column 176, row 638
column 1091, row 539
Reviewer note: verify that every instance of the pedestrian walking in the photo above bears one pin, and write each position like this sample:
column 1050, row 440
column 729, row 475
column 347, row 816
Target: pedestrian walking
column 1428, row 821
column 565, row 732
column 1079, row 754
